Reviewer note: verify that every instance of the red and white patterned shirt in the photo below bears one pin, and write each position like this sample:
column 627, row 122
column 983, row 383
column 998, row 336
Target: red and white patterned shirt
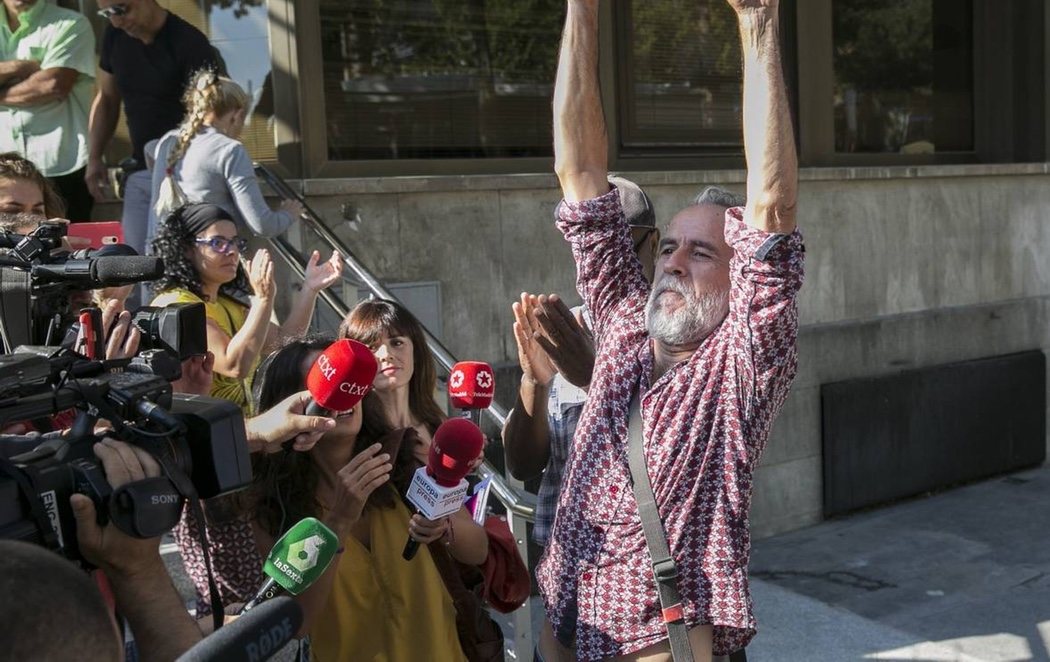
column 705, row 423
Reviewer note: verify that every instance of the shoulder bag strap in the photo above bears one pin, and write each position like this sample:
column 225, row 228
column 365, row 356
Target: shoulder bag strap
column 664, row 570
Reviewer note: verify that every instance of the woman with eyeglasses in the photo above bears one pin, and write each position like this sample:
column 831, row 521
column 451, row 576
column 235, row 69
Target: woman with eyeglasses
column 202, row 255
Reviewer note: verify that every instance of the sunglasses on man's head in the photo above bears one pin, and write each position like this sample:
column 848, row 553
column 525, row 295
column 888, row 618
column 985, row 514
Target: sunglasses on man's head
column 222, row 244
column 113, row 10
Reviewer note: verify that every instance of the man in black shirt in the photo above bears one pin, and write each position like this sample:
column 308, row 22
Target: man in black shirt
column 148, row 56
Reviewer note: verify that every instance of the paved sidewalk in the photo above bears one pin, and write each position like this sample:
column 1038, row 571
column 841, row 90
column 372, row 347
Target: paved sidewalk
column 962, row 575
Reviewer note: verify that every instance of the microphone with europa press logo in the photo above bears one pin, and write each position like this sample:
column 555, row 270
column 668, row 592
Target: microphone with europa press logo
column 439, row 489
column 471, row 385
column 253, row 637
column 340, row 377
column 296, row 560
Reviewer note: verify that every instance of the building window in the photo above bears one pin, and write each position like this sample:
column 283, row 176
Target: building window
column 434, row 79
column 680, row 77
column 903, row 76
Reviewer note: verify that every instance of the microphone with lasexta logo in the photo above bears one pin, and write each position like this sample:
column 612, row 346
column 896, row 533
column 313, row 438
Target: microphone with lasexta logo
column 296, row 560
column 340, row 377
column 471, row 386
column 439, row 489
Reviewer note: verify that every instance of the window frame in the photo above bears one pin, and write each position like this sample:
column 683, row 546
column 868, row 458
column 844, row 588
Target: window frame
column 808, row 72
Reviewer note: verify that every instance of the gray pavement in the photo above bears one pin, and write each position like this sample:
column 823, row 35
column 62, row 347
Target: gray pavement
column 960, row 575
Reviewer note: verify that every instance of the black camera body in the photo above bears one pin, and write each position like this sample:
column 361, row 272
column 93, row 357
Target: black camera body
column 199, row 441
column 178, row 329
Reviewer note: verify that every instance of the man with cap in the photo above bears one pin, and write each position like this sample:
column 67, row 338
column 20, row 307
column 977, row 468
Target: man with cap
column 700, row 361
column 556, row 354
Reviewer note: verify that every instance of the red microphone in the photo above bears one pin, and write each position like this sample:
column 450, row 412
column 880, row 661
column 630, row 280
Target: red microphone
column 439, row 489
column 340, row 377
column 471, row 385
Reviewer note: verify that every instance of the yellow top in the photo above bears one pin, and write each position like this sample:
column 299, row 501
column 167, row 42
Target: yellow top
column 230, row 316
column 384, row 608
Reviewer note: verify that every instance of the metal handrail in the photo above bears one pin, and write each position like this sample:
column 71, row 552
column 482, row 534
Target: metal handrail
column 517, row 501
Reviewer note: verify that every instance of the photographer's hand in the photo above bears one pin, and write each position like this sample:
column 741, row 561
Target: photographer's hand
column 123, row 339
column 286, row 420
column 144, row 592
column 109, row 548
column 196, row 375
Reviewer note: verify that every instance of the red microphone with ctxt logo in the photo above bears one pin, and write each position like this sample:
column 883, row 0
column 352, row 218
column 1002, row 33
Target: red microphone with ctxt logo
column 471, row 385
column 340, row 377
column 439, row 489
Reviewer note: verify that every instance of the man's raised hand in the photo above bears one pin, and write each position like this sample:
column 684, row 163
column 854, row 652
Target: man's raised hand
column 565, row 340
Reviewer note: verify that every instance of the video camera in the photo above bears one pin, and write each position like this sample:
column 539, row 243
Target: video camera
column 199, row 442
column 37, row 278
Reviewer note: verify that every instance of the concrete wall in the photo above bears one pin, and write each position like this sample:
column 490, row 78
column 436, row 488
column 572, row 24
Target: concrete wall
column 906, row 267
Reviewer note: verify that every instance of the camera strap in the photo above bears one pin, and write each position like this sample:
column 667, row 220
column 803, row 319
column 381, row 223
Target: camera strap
column 48, row 535
column 185, row 487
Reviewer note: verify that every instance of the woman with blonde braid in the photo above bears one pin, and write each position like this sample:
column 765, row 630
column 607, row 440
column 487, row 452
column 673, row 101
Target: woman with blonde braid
column 203, row 161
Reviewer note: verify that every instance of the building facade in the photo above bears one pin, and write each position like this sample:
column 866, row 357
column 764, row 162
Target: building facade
column 922, row 128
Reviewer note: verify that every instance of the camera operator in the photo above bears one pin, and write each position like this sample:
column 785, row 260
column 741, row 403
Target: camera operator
column 53, row 610
column 59, row 614
column 141, row 586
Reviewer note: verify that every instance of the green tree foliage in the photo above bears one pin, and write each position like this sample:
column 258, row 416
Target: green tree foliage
column 883, row 44
column 684, row 41
column 501, row 39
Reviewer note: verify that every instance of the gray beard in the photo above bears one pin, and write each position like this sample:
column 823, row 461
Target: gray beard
column 691, row 321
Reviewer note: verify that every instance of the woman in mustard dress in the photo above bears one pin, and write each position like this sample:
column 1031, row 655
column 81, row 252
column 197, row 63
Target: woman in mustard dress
column 202, row 254
column 202, row 263
column 370, row 604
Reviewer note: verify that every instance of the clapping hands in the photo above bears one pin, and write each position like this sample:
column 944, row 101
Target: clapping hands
column 322, row 275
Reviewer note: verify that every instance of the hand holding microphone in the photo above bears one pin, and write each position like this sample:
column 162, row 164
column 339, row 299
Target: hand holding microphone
column 439, row 489
column 340, row 377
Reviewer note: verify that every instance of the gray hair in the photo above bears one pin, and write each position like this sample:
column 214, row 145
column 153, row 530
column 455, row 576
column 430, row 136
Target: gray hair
column 716, row 195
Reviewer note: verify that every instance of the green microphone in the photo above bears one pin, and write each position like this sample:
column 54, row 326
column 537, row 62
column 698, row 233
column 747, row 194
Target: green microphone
column 297, row 560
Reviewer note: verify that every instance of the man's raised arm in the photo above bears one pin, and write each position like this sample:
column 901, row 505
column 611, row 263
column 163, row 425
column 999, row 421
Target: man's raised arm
column 580, row 144
column 769, row 140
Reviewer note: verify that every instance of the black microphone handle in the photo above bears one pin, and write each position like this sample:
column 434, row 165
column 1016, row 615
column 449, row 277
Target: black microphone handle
column 268, row 591
column 411, row 547
column 314, row 409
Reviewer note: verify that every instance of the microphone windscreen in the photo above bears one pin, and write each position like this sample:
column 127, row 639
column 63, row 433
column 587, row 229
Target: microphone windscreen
column 342, row 375
column 457, row 442
column 255, row 636
column 124, row 270
column 471, row 385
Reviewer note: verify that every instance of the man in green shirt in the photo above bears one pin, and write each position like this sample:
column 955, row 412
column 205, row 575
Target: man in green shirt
column 47, row 76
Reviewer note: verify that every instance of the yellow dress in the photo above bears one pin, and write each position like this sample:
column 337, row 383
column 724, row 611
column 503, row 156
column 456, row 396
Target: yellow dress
column 230, row 316
column 383, row 607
